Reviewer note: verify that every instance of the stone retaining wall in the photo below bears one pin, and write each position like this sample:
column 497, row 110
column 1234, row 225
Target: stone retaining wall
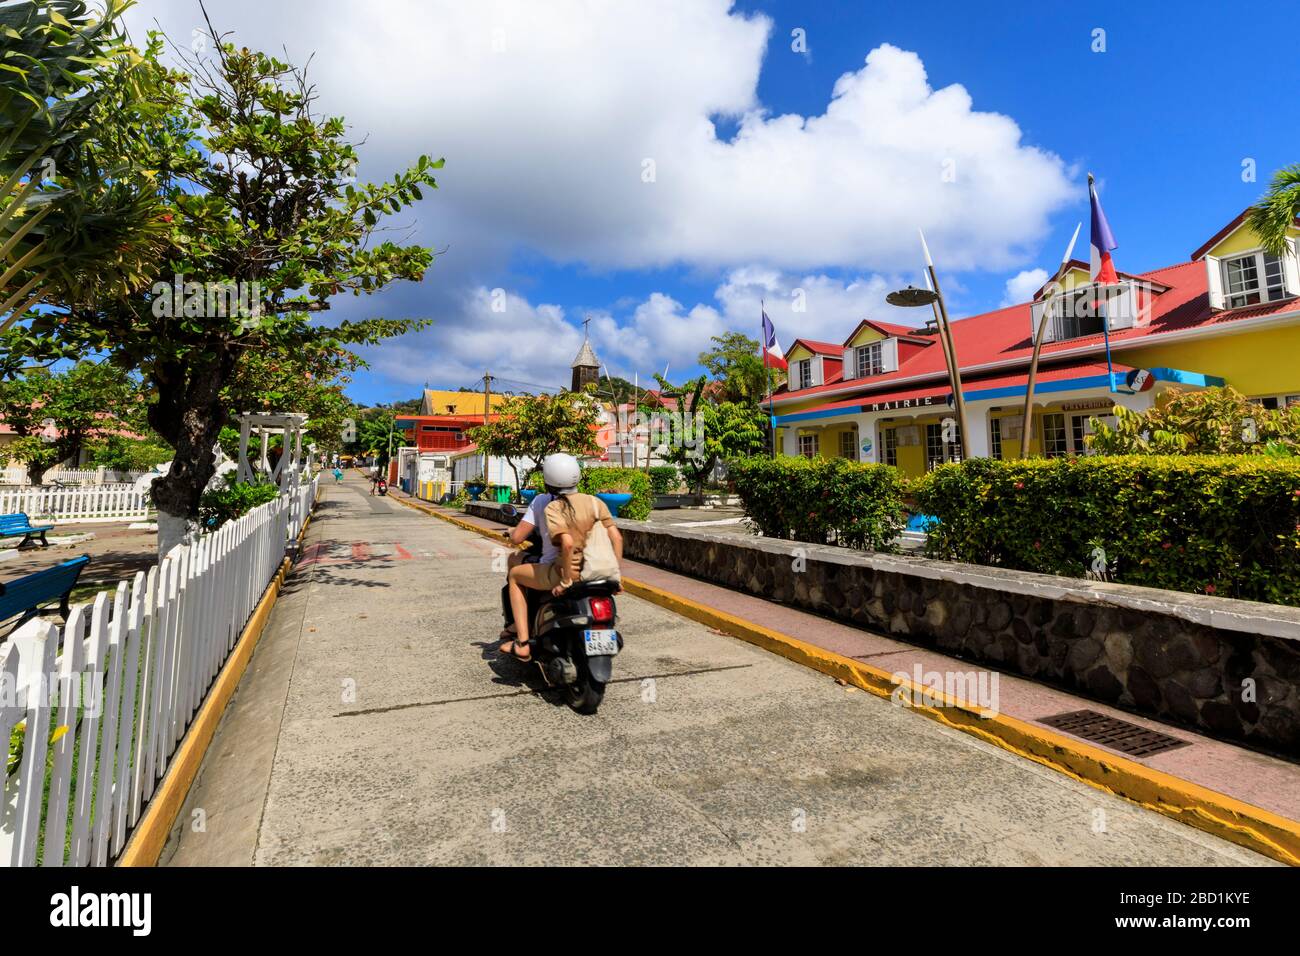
column 1185, row 658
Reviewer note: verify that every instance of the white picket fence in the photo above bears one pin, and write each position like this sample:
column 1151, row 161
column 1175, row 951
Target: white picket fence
column 17, row 475
column 86, row 503
column 103, row 701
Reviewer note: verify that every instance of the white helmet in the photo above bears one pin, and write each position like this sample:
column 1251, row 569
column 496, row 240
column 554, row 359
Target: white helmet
column 561, row 472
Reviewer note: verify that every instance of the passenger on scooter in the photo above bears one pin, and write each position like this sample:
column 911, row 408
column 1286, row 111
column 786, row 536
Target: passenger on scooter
column 569, row 518
column 534, row 519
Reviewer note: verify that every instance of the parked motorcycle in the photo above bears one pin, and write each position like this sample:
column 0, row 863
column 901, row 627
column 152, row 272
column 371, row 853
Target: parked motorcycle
column 574, row 637
column 381, row 487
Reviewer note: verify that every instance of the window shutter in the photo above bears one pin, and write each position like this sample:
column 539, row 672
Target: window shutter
column 849, row 368
column 1122, row 308
column 1291, row 267
column 817, row 377
column 889, row 355
column 1035, row 317
column 1214, row 273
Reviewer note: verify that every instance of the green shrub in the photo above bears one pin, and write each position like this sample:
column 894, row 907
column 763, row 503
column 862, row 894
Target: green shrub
column 631, row 480
column 235, row 500
column 665, row 479
column 822, row 500
column 1226, row 525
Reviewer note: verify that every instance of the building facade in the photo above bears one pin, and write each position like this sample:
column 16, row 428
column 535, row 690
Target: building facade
column 1230, row 315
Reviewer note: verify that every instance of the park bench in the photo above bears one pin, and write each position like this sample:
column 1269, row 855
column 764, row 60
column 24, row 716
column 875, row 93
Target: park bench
column 23, row 596
column 11, row 526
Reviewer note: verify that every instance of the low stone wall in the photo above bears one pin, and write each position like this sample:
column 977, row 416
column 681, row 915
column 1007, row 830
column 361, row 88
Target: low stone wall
column 1224, row 667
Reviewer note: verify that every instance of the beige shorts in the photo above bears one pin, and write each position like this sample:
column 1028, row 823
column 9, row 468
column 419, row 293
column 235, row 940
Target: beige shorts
column 548, row 575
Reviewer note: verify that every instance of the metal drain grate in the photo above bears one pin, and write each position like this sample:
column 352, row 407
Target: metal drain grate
column 1113, row 733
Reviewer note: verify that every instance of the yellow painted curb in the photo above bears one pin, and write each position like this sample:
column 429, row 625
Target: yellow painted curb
column 1238, row 822
column 149, row 837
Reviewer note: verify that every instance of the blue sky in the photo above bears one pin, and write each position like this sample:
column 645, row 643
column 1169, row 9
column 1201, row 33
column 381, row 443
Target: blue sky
column 546, row 116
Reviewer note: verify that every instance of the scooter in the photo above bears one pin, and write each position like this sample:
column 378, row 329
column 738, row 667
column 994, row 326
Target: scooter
column 574, row 637
column 381, row 487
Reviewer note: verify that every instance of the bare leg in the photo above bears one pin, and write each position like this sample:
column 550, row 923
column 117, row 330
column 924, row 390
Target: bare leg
column 522, row 576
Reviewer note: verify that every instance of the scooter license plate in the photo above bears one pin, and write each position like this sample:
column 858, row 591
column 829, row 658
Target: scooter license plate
column 600, row 643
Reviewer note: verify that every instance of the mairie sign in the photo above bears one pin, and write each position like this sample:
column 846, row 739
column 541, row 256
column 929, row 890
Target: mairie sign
column 925, row 401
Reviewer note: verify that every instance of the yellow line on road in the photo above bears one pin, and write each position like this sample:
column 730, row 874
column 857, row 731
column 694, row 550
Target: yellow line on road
column 1234, row 820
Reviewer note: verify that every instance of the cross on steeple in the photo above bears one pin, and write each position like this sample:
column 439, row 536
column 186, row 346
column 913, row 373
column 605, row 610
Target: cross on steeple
column 586, row 368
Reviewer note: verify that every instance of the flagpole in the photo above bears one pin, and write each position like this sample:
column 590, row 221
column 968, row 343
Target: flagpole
column 767, row 372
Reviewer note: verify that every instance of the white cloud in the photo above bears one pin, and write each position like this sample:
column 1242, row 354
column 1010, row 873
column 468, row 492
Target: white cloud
column 546, row 114
column 1022, row 286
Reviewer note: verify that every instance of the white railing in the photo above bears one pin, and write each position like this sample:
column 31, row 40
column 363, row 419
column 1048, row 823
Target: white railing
column 103, row 702
column 86, row 503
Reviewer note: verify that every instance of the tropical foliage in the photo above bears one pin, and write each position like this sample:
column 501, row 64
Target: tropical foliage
column 1274, row 215
column 1210, row 422
column 631, row 481
column 703, row 432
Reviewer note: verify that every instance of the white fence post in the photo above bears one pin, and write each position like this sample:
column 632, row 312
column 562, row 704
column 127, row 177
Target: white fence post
column 126, row 684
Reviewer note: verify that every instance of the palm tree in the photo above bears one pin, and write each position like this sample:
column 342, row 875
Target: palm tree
column 69, row 207
column 1274, row 215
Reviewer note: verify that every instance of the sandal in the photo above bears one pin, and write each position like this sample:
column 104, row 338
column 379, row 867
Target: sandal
column 507, row 634
column 513, row 651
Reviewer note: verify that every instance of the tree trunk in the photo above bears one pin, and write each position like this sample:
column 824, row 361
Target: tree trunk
column 189, row 414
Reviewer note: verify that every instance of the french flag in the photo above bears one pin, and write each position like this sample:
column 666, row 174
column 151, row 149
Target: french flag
column 1101, row 269
column 773, row 357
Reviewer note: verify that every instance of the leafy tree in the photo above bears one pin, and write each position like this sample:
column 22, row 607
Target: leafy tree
column 1274, row 215
column 734, row 362
column 83, row 403
column 265, row 227
column 534, row 426
column 125, row 453
column 705, row 433
column 1212, row 421
column 310, row 382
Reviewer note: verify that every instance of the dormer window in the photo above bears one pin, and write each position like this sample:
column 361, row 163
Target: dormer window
column 805, row 373
column 1253, row 278
column 869, row 360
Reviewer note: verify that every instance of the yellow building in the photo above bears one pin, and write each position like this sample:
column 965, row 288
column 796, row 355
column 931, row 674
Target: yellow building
column 1229, row 315
column 442, row 402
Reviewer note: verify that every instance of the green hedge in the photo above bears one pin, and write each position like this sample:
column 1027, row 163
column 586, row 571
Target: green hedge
column 632, row 480
column 1226, row 525
column 822, row 500
column 665, row 479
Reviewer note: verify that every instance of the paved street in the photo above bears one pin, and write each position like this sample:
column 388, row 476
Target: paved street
column 377, row 725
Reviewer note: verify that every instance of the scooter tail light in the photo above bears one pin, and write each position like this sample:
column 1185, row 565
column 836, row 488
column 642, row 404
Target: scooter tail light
column 602, row 609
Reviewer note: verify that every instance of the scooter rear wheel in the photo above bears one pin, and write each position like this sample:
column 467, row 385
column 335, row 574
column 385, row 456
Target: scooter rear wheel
column 584, row 694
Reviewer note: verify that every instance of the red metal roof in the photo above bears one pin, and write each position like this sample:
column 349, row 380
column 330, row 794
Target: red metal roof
column 1003, row 335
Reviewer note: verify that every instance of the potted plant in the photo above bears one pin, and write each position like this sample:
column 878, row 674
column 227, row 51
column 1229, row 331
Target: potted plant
column 475, row 486
column 616, row 495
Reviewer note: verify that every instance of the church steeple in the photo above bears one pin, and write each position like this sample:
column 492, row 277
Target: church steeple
column 586, row 368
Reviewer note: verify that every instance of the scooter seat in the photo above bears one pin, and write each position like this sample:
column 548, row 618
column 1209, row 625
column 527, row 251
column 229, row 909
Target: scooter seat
column 598, row 586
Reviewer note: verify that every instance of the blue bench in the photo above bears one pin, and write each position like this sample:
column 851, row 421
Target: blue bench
column 24, row 596
column 11, row 526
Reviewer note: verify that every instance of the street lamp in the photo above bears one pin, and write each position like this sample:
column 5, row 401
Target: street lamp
column 911, row 298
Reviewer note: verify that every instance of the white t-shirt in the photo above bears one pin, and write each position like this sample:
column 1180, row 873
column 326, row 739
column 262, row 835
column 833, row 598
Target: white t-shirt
column 536, row 516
